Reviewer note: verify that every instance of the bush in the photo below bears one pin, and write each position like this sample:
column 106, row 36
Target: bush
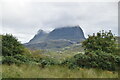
column 104, row 41
column 101, row 51
column 48, row 61
column 11, row 46
column 10, row 60
column 19, row 59
column 22, row 58
column 93, row 60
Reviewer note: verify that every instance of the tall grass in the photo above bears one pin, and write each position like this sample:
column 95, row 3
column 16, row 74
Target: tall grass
column 34, row 71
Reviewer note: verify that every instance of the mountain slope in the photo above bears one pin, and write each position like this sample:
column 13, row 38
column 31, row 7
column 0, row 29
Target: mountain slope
column 73, row 33
column 58, row 38
column 39, row 37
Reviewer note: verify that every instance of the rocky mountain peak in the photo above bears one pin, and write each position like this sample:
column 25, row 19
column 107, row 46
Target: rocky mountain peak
column 40, row 31
column 73, row 33
column 68, row 33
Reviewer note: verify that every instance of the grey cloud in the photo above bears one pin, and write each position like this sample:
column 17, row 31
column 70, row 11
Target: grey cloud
column 24, row 19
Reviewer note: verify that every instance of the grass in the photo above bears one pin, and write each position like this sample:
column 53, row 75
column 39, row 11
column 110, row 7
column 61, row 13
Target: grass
column 34, row 71
column 60, row 56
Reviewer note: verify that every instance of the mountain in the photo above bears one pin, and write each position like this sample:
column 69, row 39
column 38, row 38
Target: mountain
column 39, row 37
column 58, row 38
column 73, row 33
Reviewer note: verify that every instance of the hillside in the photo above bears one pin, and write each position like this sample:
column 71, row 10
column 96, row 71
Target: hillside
column 40, row 36
column 56, row 39
column 72, row 33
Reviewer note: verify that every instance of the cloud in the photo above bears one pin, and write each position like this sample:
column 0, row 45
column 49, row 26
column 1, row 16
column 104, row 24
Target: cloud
column 23, row 19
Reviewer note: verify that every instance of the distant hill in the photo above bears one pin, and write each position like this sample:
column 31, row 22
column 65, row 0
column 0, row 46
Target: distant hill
column 73, row 33
column 39, row 37
column 58, row 38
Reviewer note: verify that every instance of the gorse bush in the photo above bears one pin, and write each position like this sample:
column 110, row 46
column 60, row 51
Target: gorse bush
column 14, row 52
column 17, row 59
column 94, row 60
column 104, row 41
column 101, row 51
column 10, row 60
column 23, row 59
column 11, row 46
column 49, row 61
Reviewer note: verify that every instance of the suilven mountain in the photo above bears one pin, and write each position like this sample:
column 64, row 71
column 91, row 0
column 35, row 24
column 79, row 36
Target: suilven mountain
column 58, row 38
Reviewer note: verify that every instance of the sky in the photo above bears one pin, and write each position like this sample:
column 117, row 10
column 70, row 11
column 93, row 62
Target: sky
column 24, row 18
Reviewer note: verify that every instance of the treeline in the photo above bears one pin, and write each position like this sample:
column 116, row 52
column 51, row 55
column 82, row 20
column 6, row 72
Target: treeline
column 101, row 51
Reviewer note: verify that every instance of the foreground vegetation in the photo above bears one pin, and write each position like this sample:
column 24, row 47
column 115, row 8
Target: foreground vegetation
column 100, row 59
column 33, row 71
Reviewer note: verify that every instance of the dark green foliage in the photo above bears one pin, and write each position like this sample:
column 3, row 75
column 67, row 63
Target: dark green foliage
column 22, row 58
column 11, row 46
column 104, row 41
column 18, row 59
column 12, row 50
column 96, row 54
column 10, row 60
column 47, row 62
column 94, row 60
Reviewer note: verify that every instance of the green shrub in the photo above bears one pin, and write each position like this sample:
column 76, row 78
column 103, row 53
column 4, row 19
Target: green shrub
column 11, row 46
column 104, row 41
column 101, row 51
column 10, row 60
column 94, row 60
column 48, row 61
column 19, row 59
column 22, row 58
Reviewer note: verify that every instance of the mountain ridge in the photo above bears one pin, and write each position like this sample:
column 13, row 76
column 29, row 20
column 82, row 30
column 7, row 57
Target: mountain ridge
column 57, row 38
